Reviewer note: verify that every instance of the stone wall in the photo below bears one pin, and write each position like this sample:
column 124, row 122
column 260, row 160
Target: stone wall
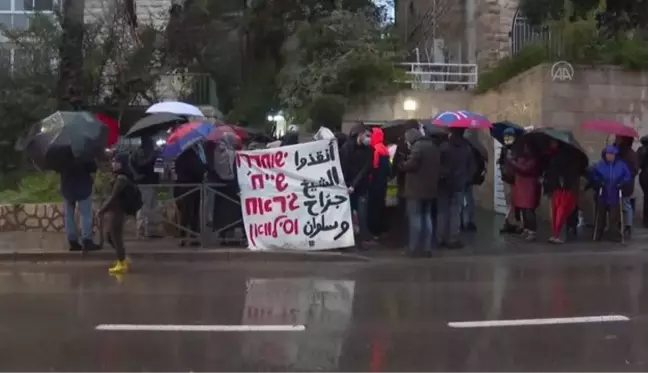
column 533, row 98
column 390, row 107
column 49, row 217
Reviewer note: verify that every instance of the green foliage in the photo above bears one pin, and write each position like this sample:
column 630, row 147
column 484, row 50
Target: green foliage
column 33, row 188
column 327, row 111
column 581, row 44
column 509, row 67
column 349, row 54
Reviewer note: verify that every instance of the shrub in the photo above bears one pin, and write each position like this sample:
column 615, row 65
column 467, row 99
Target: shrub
column 575, row 42
column 33, row 188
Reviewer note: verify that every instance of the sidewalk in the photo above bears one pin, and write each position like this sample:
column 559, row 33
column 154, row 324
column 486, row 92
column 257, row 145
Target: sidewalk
column 42, row 246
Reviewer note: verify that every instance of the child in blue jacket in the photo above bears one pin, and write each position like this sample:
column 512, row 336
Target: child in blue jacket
column 608, row 176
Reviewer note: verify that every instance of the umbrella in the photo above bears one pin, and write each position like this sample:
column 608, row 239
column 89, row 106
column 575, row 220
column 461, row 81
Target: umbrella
column 186, row 136
column 220, row 131
column 395, row 129
column 66, row 138
column 175, row 107
column 497, row 131
column 432, row 130
column 541, row 137
column 153, row 122
column 461, row 119
column 611, row 127
column 113, row 128
column 324, row 134
column 478, row 147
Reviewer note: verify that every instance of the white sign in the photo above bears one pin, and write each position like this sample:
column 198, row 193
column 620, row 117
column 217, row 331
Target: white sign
column 499, row 197
column 295, row 198
column 323, row 306
column 562, row 71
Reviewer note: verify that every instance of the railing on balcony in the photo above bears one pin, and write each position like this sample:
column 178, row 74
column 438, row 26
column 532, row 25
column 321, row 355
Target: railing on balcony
column 439, row 76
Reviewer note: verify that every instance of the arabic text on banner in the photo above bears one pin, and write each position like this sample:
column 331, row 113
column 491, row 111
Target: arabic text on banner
column 294, row 197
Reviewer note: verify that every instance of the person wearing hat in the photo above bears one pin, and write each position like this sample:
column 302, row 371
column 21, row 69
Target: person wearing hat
column 512, row 222
column 609, row 176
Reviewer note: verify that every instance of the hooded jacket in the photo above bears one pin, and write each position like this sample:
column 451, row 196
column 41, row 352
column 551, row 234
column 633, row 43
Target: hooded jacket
column 356, row 161
column 457, row 164
column 421, row 167
column 610, row 177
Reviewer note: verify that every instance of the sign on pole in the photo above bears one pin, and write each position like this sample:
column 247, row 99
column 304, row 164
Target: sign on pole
column 562, row 71
column 295, row 198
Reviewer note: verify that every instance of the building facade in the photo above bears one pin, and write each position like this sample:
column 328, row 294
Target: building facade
column 464, row 31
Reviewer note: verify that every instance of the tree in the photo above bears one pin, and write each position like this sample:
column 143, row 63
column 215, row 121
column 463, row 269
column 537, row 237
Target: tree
column 349, row 54
column 613, row 16
column 116, row 68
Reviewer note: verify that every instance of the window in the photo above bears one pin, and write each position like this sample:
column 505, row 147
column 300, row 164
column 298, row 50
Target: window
column 14, row 14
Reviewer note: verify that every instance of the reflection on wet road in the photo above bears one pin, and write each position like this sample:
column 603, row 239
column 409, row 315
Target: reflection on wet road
column 355, row 317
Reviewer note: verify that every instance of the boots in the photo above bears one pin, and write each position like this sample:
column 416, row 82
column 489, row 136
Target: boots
column 89, row 245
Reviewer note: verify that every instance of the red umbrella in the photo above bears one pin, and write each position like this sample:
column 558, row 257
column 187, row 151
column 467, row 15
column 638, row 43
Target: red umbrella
column 610, row 127
column 220, row 131
column 113, row 127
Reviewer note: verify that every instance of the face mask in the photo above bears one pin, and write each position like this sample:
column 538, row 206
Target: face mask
column 366, row 141
column 508, row 140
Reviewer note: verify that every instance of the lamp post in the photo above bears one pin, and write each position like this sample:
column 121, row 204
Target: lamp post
column 410, row 106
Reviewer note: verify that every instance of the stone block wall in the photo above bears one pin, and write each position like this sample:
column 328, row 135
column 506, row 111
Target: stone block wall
column 49, row 217
column 533, row 98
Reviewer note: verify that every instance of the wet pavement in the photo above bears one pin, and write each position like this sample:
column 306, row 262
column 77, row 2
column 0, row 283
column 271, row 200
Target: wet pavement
column 374, row 316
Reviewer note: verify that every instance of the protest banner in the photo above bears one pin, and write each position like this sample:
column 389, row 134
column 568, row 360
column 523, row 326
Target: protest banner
column 294, row 197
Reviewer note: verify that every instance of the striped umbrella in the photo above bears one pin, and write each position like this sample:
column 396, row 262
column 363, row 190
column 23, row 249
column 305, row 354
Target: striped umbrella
column 461, row 119
column 186, row 136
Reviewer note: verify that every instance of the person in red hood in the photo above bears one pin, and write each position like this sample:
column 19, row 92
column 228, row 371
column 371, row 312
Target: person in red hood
column 379, row 176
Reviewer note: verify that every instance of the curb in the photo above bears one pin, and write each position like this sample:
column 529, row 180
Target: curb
column 183, row 256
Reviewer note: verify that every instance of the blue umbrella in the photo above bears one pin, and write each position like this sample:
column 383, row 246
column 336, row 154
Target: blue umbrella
column 185, row 137
column 461, row 119
column 497, row 132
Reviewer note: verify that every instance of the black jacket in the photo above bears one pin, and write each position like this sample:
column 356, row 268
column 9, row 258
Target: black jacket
column 143, row 164
column 561, row 172
column 77, row 181
column 356, row 161
column 422, row 167
column 457, row 165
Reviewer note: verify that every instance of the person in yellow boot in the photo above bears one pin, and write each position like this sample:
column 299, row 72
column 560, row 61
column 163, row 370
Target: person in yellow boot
column 125, row 199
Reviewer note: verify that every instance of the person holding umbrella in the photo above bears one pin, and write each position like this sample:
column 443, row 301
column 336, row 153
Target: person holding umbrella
column 507, row 133
column 642, row 156
column 565, row 164
column 609, row 176
column 526, row 188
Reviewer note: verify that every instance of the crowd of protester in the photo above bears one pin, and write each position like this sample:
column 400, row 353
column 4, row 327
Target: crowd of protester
column 435, row 176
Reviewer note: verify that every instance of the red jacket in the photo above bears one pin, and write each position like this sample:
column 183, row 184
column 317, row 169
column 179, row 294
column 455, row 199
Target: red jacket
column 526, row 188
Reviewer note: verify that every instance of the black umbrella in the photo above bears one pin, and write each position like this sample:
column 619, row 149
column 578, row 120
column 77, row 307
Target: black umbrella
column 155, row 122
column 497, row 131
column 539, row 139
column 432, row 130
column 66, row 138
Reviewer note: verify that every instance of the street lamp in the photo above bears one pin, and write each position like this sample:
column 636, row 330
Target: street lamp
column 410, row 106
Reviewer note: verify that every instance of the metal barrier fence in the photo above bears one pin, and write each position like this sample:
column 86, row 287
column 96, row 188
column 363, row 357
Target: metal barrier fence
column 201, row 215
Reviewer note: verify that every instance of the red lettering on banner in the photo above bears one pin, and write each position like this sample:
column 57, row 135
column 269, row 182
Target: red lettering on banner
column 281, row 225
column 265, row 160
column 258, row 181
column 262, row 206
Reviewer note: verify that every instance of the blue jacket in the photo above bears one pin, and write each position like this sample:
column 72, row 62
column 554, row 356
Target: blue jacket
column 610, row 177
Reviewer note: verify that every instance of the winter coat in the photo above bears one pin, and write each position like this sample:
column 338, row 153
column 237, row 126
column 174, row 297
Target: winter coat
column 629, row 156
column 506, row 172
column 421, row 167
column 77, row 181
column 526, row 184
column 642, row 157
column 561, row 172
column 609, row 178
column 457, row 164
column 356, row 161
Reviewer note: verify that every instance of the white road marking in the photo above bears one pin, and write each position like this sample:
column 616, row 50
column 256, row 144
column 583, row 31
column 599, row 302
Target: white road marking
column 200, row 328
column 527, row 322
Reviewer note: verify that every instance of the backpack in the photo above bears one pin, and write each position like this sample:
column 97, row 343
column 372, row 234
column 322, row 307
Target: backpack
column 131, row 199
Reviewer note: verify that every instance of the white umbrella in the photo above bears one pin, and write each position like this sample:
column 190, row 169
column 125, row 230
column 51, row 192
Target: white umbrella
column 175, row 107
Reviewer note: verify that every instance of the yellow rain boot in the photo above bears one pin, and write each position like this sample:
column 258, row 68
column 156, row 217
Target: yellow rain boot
column 120, row 266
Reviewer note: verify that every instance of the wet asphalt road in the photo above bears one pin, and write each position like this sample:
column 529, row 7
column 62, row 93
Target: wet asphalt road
column 357, row 317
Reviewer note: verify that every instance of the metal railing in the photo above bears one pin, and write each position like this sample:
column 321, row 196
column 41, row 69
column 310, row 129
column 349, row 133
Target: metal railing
column 439, row 76
column 205, row 215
